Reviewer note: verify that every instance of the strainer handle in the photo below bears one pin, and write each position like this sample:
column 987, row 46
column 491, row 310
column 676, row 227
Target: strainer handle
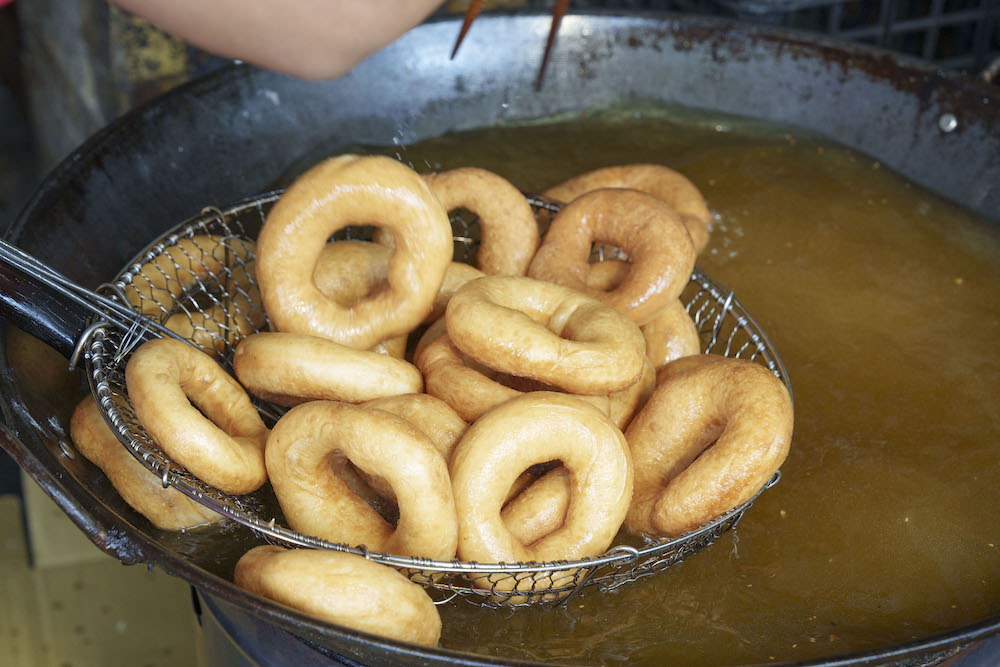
column 41, row 310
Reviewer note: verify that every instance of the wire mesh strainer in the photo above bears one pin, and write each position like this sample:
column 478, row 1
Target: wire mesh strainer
column 203, row 283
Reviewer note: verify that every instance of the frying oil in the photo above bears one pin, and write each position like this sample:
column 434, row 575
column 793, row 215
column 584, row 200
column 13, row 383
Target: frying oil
column 884, row 303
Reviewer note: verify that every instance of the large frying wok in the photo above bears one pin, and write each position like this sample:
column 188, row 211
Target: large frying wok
column 240, row 130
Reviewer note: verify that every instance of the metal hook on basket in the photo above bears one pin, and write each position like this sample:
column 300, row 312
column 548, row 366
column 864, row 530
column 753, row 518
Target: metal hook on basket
column 631, row 553
column 74, row 359
column 165, row 479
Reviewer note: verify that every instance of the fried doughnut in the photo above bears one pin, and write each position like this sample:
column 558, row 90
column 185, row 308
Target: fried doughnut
column 712, row 434
column 166, row 508
column 661, row 182
column 606, row 275
column 457, row 275
column 506, row 221
column 350, row 271
column 157, row 284
column 352, row 190
column 671, row 335
column 530, row 429
column 540, row 509
column 222, row 440
column 469, row 388
column 645, row 228
column 431, row 416
column 317, row 502
column 204, row 261
column 289, row 369
column 546, row 332
column 343, row 589
column 622, row 405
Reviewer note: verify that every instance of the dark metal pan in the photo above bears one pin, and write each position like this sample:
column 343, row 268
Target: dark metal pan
column 238, row 131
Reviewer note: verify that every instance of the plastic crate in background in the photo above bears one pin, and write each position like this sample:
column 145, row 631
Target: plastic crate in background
column 955, row 34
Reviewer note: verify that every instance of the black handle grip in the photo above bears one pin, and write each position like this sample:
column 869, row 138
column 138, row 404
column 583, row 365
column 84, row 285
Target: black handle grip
column 40, row 310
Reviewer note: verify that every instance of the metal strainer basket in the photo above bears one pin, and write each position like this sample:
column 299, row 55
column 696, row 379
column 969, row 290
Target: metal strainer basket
column 208, row 259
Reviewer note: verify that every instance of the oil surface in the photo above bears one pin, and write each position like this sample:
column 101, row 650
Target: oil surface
column 884, row 303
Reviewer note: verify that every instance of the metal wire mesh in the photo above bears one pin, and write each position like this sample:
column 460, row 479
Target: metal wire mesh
column 200, row 277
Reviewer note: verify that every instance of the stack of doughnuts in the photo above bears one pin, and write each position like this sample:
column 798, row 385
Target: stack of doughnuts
column 548, row 402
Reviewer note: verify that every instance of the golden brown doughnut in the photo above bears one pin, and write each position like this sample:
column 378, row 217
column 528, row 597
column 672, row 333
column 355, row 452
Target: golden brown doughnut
column 527, row 430
column 457, row 275
column 685, row 364
column 317, row 502
column 709, row 438
column 540, row 509
column 167, row 508
column 671, row 335
column 350, row 271
column 506, row 221
column 661, row 182
column 622, row 405
column 607, row 275
column 546, row 332
column 645, row 228
column 343, row 191
column 343, row 589
column 431, row 416
column 222, row 440
column 289, row 369
column 468, row 387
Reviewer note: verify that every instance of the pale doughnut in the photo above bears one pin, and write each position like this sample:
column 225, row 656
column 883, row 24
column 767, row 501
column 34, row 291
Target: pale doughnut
column 527, row 430
column 708, row 439
column 343, row 191
column 506, row 221
column 289, row 369
column 644, row 227
column 317, row 502
column 661, row 182
column 343, row 589
column 546, row 332
column 166, row 508
column 223, row 444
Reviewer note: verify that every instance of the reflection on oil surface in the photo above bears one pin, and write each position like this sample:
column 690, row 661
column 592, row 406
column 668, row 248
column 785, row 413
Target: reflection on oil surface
column 884, row 302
